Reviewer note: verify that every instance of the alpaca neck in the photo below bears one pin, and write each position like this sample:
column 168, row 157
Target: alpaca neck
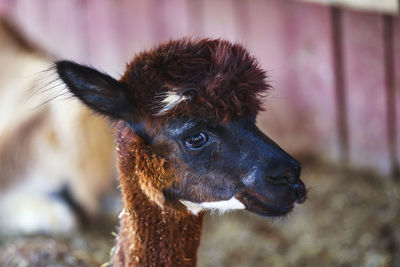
column 150, row 234
column 150, row 237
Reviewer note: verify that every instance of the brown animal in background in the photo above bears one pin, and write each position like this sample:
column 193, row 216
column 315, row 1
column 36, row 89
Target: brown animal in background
column 187, row 142
column 45, row 162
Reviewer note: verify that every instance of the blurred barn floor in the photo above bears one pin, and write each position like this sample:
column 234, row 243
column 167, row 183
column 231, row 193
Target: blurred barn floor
column 350, row 219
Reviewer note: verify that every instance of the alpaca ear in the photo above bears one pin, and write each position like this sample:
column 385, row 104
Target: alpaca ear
column 97, row 90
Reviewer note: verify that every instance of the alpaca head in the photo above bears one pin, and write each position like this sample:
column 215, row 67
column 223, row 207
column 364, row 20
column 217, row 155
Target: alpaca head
column 193, row 103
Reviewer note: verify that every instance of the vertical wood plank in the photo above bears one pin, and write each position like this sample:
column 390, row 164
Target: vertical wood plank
column 195, row 17
column 340, row 90
column 135, row 28
column 396, row 47
column 363, row 51
column 6, row 7
column 267, row 41
column 241, row 20
column 67, row 29
column 388, row 48
column 31, row 16
column 266, row 35
column 157, row 19
column 301, row 111
column 102, row 38
column 219, row 19
column 176, row 19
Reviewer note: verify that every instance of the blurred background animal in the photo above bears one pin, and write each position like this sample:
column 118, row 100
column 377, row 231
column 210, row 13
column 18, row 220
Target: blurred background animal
column 51, row 176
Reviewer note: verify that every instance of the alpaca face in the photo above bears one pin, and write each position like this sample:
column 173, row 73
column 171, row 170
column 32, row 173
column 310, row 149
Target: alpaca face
column 194, row 103
column 229, row 165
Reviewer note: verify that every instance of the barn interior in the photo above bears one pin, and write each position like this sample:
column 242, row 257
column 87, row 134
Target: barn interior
column 335, row 73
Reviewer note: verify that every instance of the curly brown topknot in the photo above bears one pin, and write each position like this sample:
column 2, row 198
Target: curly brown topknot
column 202, row 77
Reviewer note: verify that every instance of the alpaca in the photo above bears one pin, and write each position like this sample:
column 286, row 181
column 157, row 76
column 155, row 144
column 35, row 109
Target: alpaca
column 186, row 142
column 41, row 159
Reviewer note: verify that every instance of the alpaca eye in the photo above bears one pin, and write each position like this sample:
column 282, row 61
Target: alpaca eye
column 196, row 141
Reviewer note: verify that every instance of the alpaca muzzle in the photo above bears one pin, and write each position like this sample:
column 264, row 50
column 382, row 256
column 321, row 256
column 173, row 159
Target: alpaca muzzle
column 273, row 188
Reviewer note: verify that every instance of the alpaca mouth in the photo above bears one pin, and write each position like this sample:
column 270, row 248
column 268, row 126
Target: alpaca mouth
column 254, row 204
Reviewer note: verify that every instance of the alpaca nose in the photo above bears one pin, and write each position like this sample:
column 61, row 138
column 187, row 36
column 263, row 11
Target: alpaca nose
column 284, row 171
column 300, row 191
column 288, row 172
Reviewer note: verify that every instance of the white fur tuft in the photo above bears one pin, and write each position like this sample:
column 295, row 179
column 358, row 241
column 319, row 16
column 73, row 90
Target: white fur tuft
column 170, row 101
column 221, row 206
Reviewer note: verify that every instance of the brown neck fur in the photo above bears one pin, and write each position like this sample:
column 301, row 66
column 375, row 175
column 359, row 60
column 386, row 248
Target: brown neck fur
column 151, row 232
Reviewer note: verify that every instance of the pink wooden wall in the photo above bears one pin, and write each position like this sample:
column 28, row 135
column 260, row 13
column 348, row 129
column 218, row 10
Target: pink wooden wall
column 348, row 113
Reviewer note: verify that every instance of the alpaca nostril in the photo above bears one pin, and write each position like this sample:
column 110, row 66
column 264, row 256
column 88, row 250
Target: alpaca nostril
column 276, row 180
column 292, row 180
column 300, row 192
column 284, row 179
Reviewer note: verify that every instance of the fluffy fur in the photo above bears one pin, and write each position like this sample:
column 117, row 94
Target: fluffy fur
column 221, row 79
column 199, row 78
column 187, row 135
column 152, row 233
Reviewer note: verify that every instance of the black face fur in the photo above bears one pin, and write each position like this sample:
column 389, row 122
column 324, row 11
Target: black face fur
column 232, row 159
column 214, row 159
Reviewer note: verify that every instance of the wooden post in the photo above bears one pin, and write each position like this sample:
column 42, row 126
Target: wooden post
column 341, row 106
column 388, row 41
